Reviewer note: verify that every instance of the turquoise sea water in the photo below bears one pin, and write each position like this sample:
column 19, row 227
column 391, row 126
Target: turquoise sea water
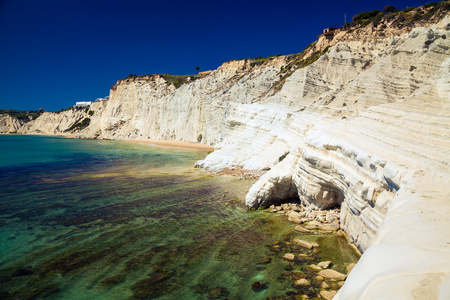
column 87, row 219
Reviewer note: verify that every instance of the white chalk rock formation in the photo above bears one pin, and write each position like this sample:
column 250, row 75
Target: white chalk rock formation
column 54, row 123
column 377, row 144
column 9, row 124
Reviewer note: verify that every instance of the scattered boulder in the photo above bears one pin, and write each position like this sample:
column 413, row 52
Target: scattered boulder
column 315, row 268
column 298, row 275
column 315, row 245
column 303, row 243
column 329, row 227
column 350, row 267
column 301, row 229
column 324, row 264
column 289, row 256
column 302, row 282
column 313, row 225
column 332, row 274
column 328, row 295
column 327, row 220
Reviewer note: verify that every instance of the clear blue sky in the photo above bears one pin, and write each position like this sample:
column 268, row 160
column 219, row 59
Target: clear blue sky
column 54, row 53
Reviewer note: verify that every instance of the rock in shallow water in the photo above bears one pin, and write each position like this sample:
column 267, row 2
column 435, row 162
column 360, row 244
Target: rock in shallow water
column 324, row 264
column 302, row 229
column 332, row 274
column 328, row 295
column 289, row 256
column 303, row 243
column 264, row 260
column 258, row 286
column 302, row 282
column 217, row 292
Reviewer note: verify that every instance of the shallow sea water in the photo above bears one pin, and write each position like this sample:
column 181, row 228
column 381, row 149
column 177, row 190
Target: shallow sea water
column 87, row 219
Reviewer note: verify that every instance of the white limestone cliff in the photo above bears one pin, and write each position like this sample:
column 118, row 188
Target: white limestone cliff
column 9, row 124
column 375, row 142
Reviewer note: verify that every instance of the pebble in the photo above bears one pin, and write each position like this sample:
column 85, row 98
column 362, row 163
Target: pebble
column 302, row 282
column 289, row 256
column 324, row 264
column 315, row 268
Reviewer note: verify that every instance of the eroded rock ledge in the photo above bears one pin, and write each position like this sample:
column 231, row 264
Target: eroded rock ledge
column 376, row 144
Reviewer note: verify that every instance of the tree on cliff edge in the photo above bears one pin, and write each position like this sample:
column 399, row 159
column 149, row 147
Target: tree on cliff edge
column 197, row 68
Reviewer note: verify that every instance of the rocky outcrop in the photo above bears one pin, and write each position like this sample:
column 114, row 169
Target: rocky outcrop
column 9, row 124
column 55, row 123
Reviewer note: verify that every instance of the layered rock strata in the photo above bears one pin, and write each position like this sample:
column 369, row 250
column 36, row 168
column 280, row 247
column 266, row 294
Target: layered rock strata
column 9, row 124
column 375, row 143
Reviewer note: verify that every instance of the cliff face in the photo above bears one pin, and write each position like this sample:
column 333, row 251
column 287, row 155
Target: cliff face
column 9, row 124
column 369, row 132
column 365, row 127
column 152, row 108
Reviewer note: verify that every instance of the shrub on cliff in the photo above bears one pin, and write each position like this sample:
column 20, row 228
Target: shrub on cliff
column 365, row 16
column 79, row 125
column 389, row 9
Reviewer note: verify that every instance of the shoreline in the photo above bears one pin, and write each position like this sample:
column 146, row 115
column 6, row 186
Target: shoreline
column 173, row 144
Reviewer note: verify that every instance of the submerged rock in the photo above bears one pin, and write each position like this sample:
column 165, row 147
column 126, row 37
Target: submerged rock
column 303, row 243
column 264, row 260
column 258, row 286
column 199, row 288
column 217, row 292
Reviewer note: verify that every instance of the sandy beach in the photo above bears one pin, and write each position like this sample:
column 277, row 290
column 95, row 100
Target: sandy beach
column 176, row 144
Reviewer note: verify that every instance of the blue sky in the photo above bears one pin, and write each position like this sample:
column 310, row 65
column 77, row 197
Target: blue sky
column 54, row 53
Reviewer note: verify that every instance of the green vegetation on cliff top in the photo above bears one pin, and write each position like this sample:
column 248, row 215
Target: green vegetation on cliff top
column 21, row 115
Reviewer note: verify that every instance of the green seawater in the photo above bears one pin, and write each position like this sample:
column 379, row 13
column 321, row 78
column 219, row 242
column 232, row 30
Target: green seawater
column 88, row 219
